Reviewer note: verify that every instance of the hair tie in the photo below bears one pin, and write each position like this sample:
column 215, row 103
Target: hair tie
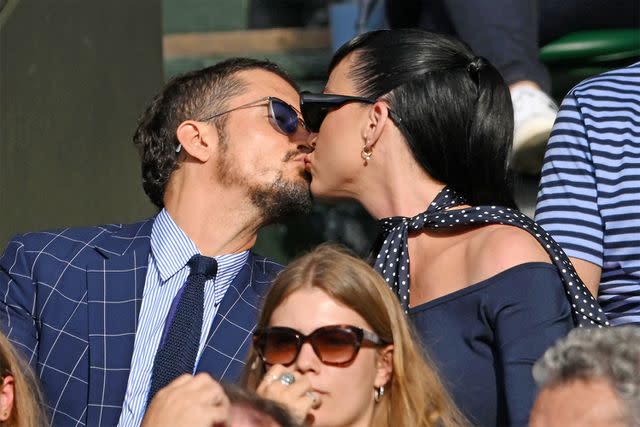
column 474, row 67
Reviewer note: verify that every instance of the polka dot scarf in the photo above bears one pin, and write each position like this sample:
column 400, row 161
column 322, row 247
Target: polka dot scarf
column 392, row 260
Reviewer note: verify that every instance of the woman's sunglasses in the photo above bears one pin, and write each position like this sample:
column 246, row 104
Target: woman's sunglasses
column 335, row 345
column 282, row 116
column 316, row 106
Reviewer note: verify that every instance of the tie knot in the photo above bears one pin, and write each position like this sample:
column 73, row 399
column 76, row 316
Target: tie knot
column 204, row 265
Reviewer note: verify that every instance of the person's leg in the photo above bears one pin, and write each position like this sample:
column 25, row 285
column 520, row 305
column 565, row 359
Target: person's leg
column 403, row 13
column 345, row 16
column 506, row 33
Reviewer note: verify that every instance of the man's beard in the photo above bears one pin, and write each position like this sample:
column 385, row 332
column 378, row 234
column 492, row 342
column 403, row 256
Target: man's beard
column 282, row 198
column 276, row 201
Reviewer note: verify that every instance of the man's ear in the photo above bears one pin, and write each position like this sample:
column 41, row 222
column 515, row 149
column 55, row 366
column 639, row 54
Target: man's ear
column 197, row 139
column 6, row 398
column 378, row 119
column 384, row 369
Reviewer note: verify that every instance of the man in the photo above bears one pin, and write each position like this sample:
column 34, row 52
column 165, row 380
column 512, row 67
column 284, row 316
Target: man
column 590, row 378
column 589, row 193
column 108, row 315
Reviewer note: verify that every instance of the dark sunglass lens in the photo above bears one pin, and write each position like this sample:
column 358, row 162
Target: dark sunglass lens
column 314, row 114
column 285, row 117
column 335, row 345
column 278, row 346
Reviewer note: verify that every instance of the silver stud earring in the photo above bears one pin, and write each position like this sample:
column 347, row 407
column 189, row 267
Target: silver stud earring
column 378, row 392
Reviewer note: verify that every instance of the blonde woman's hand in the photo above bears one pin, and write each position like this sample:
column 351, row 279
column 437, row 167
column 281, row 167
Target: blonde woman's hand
column 298, row 397
column 191, row 401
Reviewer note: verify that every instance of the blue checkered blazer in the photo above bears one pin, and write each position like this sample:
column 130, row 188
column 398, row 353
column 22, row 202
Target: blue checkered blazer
column 70, row 301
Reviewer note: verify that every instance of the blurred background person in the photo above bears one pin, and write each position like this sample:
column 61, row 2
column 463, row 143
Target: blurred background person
column 334, row 346
column 590, row 378
column 589, row 195
column 509, row 34
column 21, row 403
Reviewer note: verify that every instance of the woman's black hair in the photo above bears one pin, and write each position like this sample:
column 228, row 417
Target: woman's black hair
column 456, row 110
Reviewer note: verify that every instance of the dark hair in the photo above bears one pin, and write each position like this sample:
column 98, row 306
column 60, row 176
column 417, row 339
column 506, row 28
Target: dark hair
column 456, row 110
column 194, row 95
column 250, row 401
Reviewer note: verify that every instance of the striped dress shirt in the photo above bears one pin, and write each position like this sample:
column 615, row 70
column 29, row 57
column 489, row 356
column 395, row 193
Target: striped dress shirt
column 589, row 196
column 166, row 274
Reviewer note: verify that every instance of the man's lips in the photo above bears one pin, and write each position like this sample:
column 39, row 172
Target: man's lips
column 307, row 162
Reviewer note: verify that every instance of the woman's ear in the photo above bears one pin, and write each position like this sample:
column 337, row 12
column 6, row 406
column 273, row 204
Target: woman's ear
column 6, row 398
column 378, row 119
column 197, row 139
column 384, row 369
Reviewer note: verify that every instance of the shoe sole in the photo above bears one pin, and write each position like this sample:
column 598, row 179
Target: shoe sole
column 528, row 152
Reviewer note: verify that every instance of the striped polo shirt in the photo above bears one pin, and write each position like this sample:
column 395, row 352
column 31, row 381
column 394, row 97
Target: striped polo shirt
column 589, row 195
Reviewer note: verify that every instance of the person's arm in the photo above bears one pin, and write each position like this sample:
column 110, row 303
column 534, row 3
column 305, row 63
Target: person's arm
column 589, row 273
column 567, row 206
column 17, row 300
column 532, row 314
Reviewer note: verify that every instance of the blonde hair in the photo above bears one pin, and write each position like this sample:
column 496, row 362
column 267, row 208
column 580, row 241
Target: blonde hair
column 27, row 410
column 415, row 396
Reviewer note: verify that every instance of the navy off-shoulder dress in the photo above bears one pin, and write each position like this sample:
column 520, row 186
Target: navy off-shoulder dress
column 486, row 337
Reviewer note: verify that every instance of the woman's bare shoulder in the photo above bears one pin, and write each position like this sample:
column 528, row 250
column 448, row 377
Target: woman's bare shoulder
column 496, row 248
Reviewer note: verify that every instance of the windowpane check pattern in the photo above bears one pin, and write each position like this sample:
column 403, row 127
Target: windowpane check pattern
column 71, row 301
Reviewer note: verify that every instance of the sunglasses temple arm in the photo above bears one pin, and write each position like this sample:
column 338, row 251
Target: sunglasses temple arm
column 373, row 338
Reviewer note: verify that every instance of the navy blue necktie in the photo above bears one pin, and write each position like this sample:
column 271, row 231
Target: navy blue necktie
column 178, row 350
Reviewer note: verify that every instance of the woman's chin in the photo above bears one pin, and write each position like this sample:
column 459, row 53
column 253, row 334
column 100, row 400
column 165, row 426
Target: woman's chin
column 325, row 193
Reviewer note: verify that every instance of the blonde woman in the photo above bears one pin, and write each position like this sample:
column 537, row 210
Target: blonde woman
column 334, row 346
column 20, row 398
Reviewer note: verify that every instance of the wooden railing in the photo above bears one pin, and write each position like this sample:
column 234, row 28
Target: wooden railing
column 274, row 40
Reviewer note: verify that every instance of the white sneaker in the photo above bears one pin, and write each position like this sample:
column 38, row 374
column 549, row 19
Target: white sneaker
column 534, row 113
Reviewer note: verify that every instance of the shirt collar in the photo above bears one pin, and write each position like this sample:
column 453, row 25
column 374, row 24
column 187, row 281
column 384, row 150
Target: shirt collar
column 170, row 246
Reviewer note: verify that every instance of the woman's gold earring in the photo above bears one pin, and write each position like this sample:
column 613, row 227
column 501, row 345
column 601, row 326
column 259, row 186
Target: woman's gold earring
column 366, row 152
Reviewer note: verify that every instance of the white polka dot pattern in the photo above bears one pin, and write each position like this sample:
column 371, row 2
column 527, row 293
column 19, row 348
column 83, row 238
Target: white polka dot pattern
column 393, row 256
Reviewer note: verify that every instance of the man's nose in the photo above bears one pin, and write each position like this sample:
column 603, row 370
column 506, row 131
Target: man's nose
column 312, row 137
column 302, row 137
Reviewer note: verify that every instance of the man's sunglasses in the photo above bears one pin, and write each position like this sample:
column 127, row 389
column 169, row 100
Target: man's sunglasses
column 316, row 106
column 282, row 116
column 335, row 345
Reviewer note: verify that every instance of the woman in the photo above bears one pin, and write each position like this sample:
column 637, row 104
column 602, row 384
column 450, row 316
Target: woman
column 20, row 398
column 417, row 129
column 362, row 367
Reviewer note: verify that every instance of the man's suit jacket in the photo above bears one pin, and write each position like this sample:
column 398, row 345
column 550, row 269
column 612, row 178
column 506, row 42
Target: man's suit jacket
column 70, row 301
